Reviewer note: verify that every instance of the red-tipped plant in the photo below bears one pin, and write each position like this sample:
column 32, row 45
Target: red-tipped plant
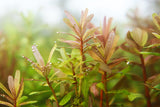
column 43, row 69
column 82, row 34
column 107, row 40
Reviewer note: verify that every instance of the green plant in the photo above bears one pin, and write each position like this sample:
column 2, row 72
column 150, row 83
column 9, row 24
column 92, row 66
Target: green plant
column 14, row 94
column 92, row 71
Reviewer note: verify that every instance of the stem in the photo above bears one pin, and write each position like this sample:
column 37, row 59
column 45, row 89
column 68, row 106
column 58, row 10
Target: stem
column 144, row 80
column 101, row 95
column 105, row 86
column 52, row 91
column 81, row 65
column 75, row 79
column 104, row 81
column 15, row 102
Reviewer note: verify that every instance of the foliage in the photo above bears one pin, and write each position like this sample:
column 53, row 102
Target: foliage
column 92, row 70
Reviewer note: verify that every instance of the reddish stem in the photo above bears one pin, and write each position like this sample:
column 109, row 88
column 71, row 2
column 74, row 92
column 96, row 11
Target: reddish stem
column 104, row 81
column 147, row 95
column 52, row 91
column 105, row 86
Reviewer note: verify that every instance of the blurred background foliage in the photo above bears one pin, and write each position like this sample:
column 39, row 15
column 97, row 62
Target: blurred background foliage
column 19, row 31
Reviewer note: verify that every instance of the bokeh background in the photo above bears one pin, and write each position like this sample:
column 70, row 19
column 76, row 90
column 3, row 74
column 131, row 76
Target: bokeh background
column 25, row 22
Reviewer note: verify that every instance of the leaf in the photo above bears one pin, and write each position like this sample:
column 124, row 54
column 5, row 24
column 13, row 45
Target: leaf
column 11, row 86
column 95, row 54
column 111, row 51
column 16, row 81
column 156, row 20
column 116, row 62
column 129, row 49
column 130, row 41
column 104, row 67
column 133, row 96
column 63, row 54
column 89, row 32
column 101, row 86
column 65, row 99
column 22, row 99
column 75, row 54
column 5, row 90
column 139, row 36
column 6, row 103
column 153, row 80
column 106, row 27
column 51, row 53
column 85, row 88
column 35, row 66
column 28, row 102
column 150, row 53
column 37, row 93
column 73, row 21
column 156, row 35
column 75, row 36
column 37, row 55
column 109, row 45
column 67, row 21
column 74, row 44
column 20, row 90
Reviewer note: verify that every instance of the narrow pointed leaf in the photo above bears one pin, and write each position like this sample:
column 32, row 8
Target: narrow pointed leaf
column 150, row 53
column 11, row 86
column 156, row 35
column 20, row 91
column 71, row 26
column 66, row 99
column 28, row 102
column 74, row 44
column 111, row 51
column 72, row 20
column 156, row 20
column 5, row 90
column 37, row 55
column 6, row 103
column 17, row 80
column 89, row 32
column 51, row 53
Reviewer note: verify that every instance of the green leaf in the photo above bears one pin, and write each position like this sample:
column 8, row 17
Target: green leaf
column 39, row 92
column 5, row 90
column 139, row 36
column 76, row 54
column 65, row 99
column 156, row 35
column 150, row 53
column 51, row 53
column 22, row 99
column 133, row 96
column 100, row 85
column 16, row 81
column 85, row 88
column 6, row 103
column 156, row 20
column 28, row 102
column 63, row 53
